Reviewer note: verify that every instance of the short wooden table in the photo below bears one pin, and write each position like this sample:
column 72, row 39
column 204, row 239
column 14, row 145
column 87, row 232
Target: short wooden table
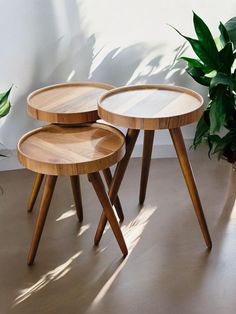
column 148, row 108
column 70, row 103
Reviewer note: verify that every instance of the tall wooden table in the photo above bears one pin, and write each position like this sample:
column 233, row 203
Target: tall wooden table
column 149, row 108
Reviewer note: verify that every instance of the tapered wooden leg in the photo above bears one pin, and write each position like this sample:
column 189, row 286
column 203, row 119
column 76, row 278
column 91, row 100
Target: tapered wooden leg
column 36, row 187
column 75, row 183
column 146, row 160
column 107, row 209
column 130, row 139
column 49, row 186
column 108, row 177
column 188, row 176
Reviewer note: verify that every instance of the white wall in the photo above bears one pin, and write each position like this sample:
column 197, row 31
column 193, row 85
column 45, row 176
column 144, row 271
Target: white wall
column 119, row 42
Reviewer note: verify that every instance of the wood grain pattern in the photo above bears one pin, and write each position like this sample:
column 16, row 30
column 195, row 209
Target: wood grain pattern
column 36, row 187
column 99, row 188
column 146, row 161
column 130, row 140
column 50, row 182
column 56, row 150
column 75, row 184
column 150, row 107
column 178, row 141
column 70, row 103
column 108, row 177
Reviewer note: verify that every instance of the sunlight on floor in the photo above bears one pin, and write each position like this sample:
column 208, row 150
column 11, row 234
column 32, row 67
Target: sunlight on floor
column 83, row 229
column 67, row 214
column 132, row 234
column 233, row 214
column 53, row 275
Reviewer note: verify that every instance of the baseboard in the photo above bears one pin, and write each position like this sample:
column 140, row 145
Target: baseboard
column 160, row 151
column 10, row 162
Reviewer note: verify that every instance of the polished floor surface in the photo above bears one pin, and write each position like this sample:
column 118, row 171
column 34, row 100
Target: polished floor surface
column 168, row 269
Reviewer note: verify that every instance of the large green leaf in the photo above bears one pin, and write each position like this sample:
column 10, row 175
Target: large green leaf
column 231, row 29
column 213, row 140
column 217, row 113
column 234, row 81
column 196, row 64
column 205, row 38
column 227, row 58
column 201, row 129
column 224, row 36
column 5, row 104
column 220, row 79
column 202, row 52
column 193, row 62
column 198, row 75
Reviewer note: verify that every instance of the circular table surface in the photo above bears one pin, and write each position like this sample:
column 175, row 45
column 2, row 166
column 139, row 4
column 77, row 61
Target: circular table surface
column 57, row 150
column 150, row 107
column 70, row 103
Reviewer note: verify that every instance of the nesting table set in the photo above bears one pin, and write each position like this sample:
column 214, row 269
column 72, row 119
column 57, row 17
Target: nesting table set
column 74, row 144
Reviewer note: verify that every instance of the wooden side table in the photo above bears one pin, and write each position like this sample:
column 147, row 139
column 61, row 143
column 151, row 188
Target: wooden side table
column 70, row 151
column 68, row 104
column 148, row 108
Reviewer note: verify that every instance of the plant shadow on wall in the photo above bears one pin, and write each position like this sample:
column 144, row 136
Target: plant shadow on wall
column 140, row 63
column 69, row 54
column 216, row 69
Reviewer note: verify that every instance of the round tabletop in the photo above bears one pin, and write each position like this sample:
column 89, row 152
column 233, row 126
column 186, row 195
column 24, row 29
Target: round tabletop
column 150, row 107
column 73, row 150
column 70, row 103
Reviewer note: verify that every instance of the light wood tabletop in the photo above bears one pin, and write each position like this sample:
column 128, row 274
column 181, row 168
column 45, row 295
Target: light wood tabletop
column 56, row 150
column 70, row 103
column 150, row 107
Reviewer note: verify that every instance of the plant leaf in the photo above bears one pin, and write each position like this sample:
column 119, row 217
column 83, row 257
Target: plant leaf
column 5, row 104
column 220, row 79
column 193, row 62
column 203, row 54
column 227, row 58
column 205, row 37
column 198, row 75
column 201, row 129
column 224, row 36
column 196, row 64
column 213, row 140
column 217, row 113
column 231, row 29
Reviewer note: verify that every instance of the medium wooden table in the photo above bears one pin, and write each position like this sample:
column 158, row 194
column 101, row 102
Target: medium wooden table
column 148, row 108
column 68, row 104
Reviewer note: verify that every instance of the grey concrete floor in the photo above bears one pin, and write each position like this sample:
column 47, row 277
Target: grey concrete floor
column 168, row 269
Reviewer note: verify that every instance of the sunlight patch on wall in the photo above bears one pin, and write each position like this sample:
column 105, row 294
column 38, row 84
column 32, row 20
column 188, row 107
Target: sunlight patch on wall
column 71, row 75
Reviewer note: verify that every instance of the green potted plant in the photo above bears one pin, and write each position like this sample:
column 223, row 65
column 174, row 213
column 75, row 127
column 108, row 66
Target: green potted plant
column 5, row 105
column 215, row 67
